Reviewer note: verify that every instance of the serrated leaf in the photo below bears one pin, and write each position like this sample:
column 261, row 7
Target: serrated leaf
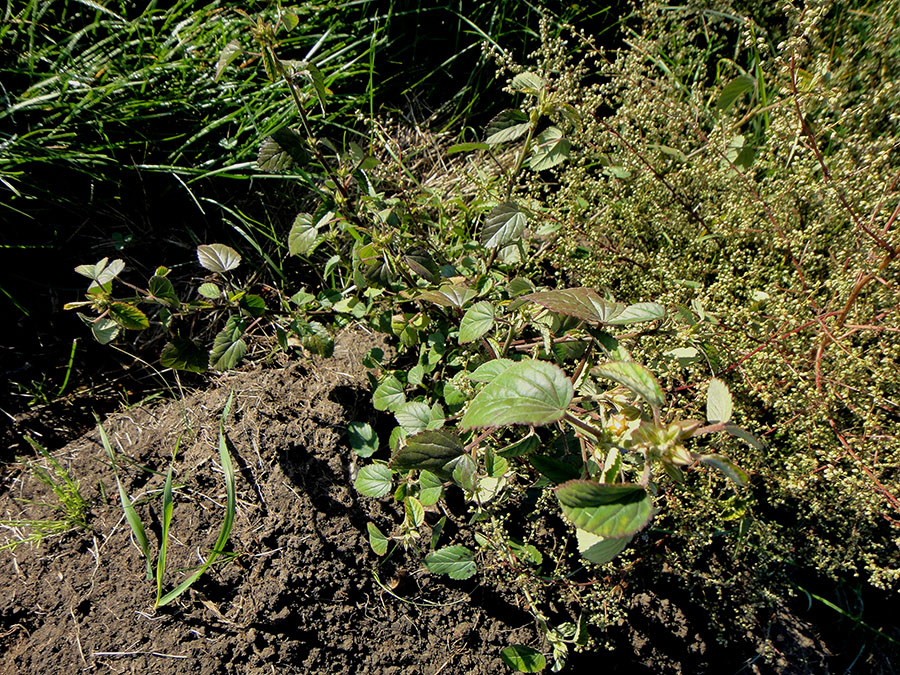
column 104, row 330
column 457, row 562
column 389, row 395
column 254, row 305
column 607, row 510
column 524, row 659
column 363, row 439
column 430, row 450
column 162, row 289
column 496, row 465
column 582, row 303
column 507, row 126
column 735, row 473
column 477, row 321
column 218, row 257
column 719, row 405
column 550, row 149
column 128, row 316
column 599, row 550
column 413, row 416
column 229, row 53
column 634, row 377
column 732, row 90
column 184, row 354
column 521, row 447
column 228, row 347
column 449, row 296
column 504, row 225
column 430, row 488
column 530, row 82
column 415, row 512
column 281, row 151
column 528, row 392
column 377, row 540
column 638, row 313
column 209, row 290
column 304, row 237
column 102, row 273
column 490, row 370
column 373, row 480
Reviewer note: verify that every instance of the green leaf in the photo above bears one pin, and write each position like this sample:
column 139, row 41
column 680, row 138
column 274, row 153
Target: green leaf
column 634, row 377
column 282, row 151
column 504, row 225
column 318, row 81
column 430, row 450
column 228, row 347
column 495, row 464
column 436, row 532
column 229, row 53
column 315, row 338
column 128, row 316
column 413, row 416
column 599, row 550
column 415, row 512
column 184, row 354
column 522, row 447
column 582, row 303
column 422, row 264
column 304, row 237
column 363, row 439
column 550, row 149
column 103, row 329
column 507, row 126
column 490, row 370
column 639, row 313
column 373, row 480
column 389, row 395
column 732, row 90
column 528, row 392
column 745, row 436
column 530, row 83
column 254, row 305
column 466, row 147
column 607, row 510
column 524, row 659
column 430, row 488
column 101, row 274
column 456, row 561
column 218, row 257
column 209, row 290
column 719, row 405
column 162, row 289
column 464, row 472
column 735, row 473
column 477, row 321
column 377, row 540
column 449, row 296
column 556, row 470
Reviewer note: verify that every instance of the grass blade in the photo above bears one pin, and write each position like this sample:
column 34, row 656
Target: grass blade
column 168, row 506
column 231, row 501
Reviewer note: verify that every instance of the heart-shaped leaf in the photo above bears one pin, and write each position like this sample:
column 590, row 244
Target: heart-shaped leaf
column 162, row 289
column 582, row 303
column 218, row 257
column 373, row 480
column 528, row 392
column 504, row 225
column 228, row 347
column 634, row 377
column 304, row 237
column 389, row 394
column 430, row 450
column 607, row 510
column 377, row 540
column 477, row 321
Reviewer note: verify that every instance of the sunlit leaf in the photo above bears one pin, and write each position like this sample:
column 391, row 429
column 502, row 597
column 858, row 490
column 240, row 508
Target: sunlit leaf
column 457, row 562
column 228, row 347
column 162, row 289
column 550, row 149
column 373, row 480
column 377, row 540
column 128, row 316
column 507, row 126
column 304, row 237
column 218, row 257
column 504, row 225
column 639, row 313
column 732, row 90
column 607, row 510
column 389, row 394
column 283, row 150
column 599, row 550
column 634, row 377
column 477, row 321
column 524, row 659
column 449, row 296
column 229, row 53
column 413, row 416
column 488, row 371
column 735, row 473
column 430, row 488
column 528, row 392
column 363, row 439
column 184, row 354
column 430, row 450
column 582, row 303
column 719, row 405
column 528, row 82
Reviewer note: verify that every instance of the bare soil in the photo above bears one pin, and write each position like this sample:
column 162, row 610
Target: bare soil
column 301, row 591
